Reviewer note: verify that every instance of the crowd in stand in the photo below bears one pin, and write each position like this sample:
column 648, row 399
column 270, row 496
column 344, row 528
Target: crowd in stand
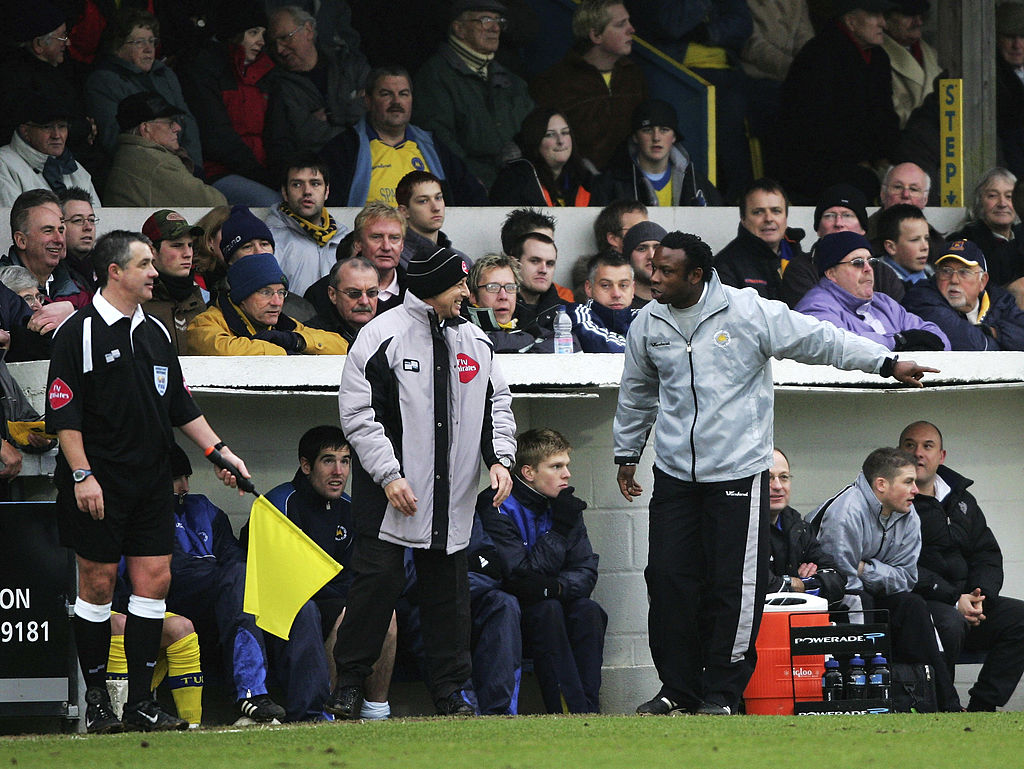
column 236, row 105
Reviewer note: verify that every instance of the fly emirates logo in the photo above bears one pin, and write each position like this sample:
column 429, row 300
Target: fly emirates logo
column 467, row 368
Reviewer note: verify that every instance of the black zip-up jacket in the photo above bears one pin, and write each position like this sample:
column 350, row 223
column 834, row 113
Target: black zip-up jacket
column 798, row 541
column 959, row 552
column 749, row 262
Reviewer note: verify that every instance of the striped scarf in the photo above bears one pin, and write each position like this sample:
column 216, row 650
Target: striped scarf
column 477, row 62
column 321, row 233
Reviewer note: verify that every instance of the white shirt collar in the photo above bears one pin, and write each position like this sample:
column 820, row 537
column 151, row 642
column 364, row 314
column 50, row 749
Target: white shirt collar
column 393, row 288
column 942, row 488
column 112, row 315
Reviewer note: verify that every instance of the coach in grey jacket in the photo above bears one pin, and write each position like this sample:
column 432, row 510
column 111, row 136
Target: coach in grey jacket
column 421, row 399
column 873, row 532
column 698, row 359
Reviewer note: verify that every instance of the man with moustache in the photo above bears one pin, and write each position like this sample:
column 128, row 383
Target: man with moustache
column 352, row 289
column 368, row 159
column 959, row 300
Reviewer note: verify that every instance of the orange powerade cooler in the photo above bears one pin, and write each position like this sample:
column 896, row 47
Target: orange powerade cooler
column 770, row 691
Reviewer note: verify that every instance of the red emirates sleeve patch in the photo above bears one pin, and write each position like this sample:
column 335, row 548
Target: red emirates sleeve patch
column 60, row 394
column 467, row 368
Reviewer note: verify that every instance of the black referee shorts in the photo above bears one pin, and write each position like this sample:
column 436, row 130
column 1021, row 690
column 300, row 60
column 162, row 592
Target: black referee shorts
column 138, row 515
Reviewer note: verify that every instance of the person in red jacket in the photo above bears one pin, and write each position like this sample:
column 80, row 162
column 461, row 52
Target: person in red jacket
column 225, row 85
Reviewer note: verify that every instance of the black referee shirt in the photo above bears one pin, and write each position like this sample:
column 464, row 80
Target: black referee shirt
column 117, row 380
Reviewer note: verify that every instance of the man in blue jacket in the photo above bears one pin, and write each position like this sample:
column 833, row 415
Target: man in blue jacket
column 316, row 502
column 959, row 301
column 602, row 323
column 368, row 159
column 548, row 564
column 208, row 586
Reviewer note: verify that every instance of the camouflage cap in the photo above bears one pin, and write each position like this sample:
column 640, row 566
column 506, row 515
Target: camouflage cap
column 166, row 224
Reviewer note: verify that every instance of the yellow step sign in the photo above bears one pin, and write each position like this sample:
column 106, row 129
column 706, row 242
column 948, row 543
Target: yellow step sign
column 951, row 132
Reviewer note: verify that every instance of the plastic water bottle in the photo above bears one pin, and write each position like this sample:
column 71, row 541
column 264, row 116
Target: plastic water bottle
column 856, row 679
column 563, row 333
column 879, row 678
column 832, row 681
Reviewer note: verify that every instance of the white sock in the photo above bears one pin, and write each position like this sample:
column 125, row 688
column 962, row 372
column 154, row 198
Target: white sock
column 375, row 711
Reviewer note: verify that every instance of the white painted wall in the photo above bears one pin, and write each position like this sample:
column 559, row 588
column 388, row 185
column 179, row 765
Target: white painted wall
column 826, row 420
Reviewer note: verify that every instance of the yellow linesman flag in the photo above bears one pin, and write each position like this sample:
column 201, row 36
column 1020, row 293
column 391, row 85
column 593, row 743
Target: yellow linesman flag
column 285, row 569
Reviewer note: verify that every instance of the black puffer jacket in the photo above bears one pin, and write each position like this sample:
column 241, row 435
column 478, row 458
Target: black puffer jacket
column 959, row 552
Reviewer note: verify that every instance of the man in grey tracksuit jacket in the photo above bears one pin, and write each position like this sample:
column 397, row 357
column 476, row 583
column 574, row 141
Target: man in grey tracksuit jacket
column 698, row 359
column 421, row 400
column 877, row 548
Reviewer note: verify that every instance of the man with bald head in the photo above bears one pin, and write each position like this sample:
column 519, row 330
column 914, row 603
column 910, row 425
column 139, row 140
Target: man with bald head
column 905, row 183
column 960, row 572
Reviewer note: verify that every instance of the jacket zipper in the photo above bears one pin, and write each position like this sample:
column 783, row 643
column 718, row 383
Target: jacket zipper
column 696, row 406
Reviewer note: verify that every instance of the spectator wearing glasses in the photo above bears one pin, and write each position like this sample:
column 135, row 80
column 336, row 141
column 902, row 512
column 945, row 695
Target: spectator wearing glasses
column 840, row 208
column 471, row 102
column 846, row 297
column 352, row 290
column 131, row 66
column 797, row 563
column 79, row 233
column 39, row 67
column 318, row 91
column 248, row 320
column 37, row 155
column 905, row 183
column 494, row 283
column 958, row 299
column 150, row 169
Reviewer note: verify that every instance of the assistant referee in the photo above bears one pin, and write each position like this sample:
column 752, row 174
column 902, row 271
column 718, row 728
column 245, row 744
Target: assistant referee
column 115, row 392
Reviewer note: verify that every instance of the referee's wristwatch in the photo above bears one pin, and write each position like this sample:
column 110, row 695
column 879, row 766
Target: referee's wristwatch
column 80, row 475
column 506, row 462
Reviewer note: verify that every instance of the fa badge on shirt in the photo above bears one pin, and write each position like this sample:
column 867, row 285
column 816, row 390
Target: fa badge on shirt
column 160, row 379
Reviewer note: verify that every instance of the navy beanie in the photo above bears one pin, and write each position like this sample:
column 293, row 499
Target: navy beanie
column 241, row 226
column 833, row 248
column 251, row 273
column 430, row 274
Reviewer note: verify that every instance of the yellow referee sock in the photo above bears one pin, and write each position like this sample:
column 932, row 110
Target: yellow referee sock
column 185, row 677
